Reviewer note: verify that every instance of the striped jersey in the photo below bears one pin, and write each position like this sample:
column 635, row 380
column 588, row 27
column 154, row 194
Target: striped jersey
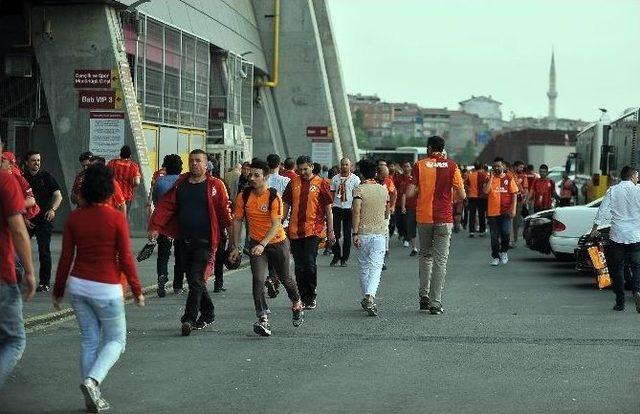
column 308, row 200
column 474, row 183
column 125, row 171
column 436, row 178
column 503, row 191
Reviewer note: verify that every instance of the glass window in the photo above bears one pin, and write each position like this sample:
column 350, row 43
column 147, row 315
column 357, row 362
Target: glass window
column 153, row 70
column 172, row 61
column 188, row 80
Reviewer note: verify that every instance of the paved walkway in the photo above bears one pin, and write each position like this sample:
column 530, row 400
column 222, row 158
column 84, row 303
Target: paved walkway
column 532, row 336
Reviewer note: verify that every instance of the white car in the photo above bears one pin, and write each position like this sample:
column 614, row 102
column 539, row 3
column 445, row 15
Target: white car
column 568, row 225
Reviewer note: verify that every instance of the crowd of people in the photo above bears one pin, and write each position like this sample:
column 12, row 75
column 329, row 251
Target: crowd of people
column 288, row 211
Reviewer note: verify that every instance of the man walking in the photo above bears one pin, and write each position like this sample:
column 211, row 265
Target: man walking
column 48, row 197
column 309, row 199
column 342, row 186
column 401, row 180
column 126, row 173
column 438, row 184
column 501, row 191
column 542, row 192
column 172, row 165
column 13, row 238
column 195, row 210
column 408, row 207
column 621, row 205
column 477, row 203
column 522, row 182
column 370, row 210
column 568, row 191
column 263, row 209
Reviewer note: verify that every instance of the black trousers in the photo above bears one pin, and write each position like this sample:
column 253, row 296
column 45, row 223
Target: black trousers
column 342, row 227
column 218, row 269
column 164, row 252
column 42, row 231
column 477, row 206
column 305, row 252
column 500, row 228
column 195, row 256
column 400, row 223
column 618, row 257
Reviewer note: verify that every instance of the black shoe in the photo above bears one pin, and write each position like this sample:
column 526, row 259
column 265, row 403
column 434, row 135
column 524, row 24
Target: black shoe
column 162, row 280
column 424, row 303
column 91, row 393
column 186, row 328
column 201, row 323
column 42, row 288
column 262, row 328
column 472, row 235
column 219, row 289
column 311, row 305
column 297, row 317
column 618, row 307
column 272, row 290
column 334, row 262
column 343, row 263
column 436, row 310
column 413, row 253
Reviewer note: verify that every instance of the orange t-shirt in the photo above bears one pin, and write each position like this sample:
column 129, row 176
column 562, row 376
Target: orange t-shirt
column 308, row 200
column 436, row 178
column 474, row 183
column 500, row 199
column 259, row 215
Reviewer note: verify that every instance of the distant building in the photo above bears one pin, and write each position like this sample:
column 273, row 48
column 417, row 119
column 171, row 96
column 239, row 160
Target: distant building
column 486, row 108
column 407, row 121
column 464, row 128
column 436, row 121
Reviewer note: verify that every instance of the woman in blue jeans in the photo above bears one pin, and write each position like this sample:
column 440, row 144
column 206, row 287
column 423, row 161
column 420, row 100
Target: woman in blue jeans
column 96, row 241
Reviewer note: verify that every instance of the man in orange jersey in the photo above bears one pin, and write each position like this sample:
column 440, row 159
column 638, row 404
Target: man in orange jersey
column 127, row 174
column 263, row 209
column 501, row 190
column 438, row 184
column 308, row 196
column 477, row 203
column 522, row 181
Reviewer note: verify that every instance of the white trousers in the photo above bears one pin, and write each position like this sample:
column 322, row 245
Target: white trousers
column 371, row 258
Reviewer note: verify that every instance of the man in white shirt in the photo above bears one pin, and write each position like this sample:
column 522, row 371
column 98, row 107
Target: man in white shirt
column 621, row 204
column 342, row 186
column 279, row 183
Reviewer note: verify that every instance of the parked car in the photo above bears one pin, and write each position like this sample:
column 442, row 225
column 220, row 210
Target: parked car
column 537, row 229
column 568, row 225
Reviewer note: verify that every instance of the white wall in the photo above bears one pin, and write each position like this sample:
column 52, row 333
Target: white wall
column 552, row 155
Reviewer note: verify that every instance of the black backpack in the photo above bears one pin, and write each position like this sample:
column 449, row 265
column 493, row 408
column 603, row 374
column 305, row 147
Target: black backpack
column 273, row 193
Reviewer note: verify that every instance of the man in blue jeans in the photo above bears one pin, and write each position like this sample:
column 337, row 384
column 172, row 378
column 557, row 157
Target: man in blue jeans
column 13, row 232
column 501, row 190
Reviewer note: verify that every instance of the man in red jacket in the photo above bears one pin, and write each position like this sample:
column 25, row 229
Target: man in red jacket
column 195, row 211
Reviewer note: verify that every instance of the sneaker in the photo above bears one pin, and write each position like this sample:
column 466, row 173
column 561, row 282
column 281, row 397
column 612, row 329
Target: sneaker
column 618, row 307
column 413, row 253
column 364, row 303
column 272, row 290
column 343, row 263
column 483, row 234
column 636, row 298
column 42, row 288
column 297, row 317
column 162, row 280
column 180, row 291
column 424, row 303
column 311, row 305
column 201, row 324
column 219, row 289
column 334, row 261
column 103, row 405
column 369, row 305
column 405, row 244
column 91, row 393
column 494, row 262
column 472, row 235
column 504, row 258
column 262, row 327
column 186, row 328
column 436, row 310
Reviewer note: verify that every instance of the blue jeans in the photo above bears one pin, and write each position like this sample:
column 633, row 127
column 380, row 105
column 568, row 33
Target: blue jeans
column 500, row 229
column 12, row 336
column 104, row 331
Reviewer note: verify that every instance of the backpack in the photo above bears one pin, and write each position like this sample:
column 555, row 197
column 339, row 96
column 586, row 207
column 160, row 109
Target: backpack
column 273, row 193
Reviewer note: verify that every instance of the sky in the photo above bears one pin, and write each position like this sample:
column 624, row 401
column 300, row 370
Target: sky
column 437, row 53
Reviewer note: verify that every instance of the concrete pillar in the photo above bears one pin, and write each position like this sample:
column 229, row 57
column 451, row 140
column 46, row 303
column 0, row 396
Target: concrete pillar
column 303, row 96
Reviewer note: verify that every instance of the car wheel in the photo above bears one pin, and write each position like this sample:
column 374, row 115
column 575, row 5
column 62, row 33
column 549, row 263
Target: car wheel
column 565, row 257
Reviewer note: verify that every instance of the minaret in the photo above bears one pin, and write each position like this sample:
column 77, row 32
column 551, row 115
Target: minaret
column 552, row 94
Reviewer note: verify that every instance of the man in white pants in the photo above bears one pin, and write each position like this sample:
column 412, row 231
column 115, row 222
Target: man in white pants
column 370, row 211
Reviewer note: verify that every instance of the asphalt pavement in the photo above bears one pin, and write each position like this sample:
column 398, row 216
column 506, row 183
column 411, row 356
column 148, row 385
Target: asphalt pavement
column 528, row 337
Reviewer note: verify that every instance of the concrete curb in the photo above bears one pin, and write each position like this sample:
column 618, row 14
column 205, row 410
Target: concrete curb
column 37, row 322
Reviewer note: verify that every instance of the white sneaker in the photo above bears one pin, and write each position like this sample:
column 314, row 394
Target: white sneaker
column 495, row 262
column 405, row 244
column 504, row 258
